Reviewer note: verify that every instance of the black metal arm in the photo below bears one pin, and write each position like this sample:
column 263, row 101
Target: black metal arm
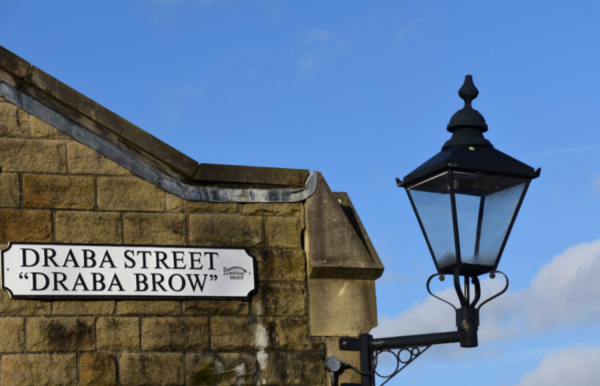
column 467, row 323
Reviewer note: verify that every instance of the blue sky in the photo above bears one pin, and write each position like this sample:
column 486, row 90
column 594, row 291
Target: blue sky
column 362, row 92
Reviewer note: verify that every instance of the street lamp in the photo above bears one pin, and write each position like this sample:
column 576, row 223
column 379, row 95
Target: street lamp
column 466, row 199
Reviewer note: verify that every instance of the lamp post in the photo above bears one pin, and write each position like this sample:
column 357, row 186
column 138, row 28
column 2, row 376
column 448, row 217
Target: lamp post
column 466, row 199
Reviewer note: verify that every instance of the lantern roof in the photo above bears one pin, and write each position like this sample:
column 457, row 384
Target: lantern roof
column 468, row 150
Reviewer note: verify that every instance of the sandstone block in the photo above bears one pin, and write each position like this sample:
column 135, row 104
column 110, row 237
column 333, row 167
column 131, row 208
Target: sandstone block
column 145, row 307
column 13, row 121
column 40, row 129
column 280, row 264
column 65, row 192
column 97, row 369
column 118, row 334
column 176, row 204
column 341, row 307
column 74, row 307
column 129, row 193
column 9, row 190
column 60, row 334
column 220, row 369
column 215, row 307
column 238, row 334
column 274, row 209
column 284, row 232
column 22, row 155
column 154, row 228
column 39, row 370
column 280, row 300
column 291, row 334
column 157, row 369
column 12, row 335
column 175, row 334
column 293, row 368
column 219, row 230
column 10, row 306
column 88, row 227
column 25, row 225
column 84, row 160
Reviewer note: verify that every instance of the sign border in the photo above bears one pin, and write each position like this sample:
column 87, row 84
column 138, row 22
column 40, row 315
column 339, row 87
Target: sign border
column 248, row 296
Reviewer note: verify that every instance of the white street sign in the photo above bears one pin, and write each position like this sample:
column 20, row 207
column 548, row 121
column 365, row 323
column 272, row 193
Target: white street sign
column 126, row 271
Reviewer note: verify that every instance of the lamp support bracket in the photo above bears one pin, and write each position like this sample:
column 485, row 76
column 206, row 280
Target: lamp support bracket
column 371, row 348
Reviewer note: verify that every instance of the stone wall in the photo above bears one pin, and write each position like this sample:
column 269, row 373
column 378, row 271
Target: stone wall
column 54, row 189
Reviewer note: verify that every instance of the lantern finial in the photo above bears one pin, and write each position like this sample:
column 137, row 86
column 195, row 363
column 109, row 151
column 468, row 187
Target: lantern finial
column 467, row 124
column 468, row 91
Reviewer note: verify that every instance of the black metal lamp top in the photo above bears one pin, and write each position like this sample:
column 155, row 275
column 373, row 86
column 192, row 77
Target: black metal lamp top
column 467, row 196
column 467, row 149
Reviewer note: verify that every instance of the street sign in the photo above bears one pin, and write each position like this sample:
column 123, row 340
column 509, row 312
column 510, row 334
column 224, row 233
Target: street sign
column 31, row 270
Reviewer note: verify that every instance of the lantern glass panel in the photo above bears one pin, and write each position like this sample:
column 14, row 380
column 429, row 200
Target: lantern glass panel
column 485, row 207
column 431, row 199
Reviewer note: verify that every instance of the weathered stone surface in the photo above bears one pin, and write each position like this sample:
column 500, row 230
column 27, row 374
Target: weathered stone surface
column 220, row 230
column 10, row 306
column 220, row 369
column 148, row 307
column 342, row 307
column 250, row 175
column 238, row 334
column 215, row 307
column 347, row 356
column 75, row 307
column 65, row 192
column 84, row 160
column 13, row 121
column 40, row 129
column 97, row 369
column 9, row 190
column 129, row 193
column 12, row 63
column 337, row 244
column 25, row 225
column 12, row 335
column 39, row 370
column 274, row 209
column 291, row 334
column 284, row 232
column 280, row 299
column 293, row 368
column 22, row 155
column 154, row 229
column 175, row 334
column 118, row 334
column 60, row 334
column 88, row 227
column 280, row 264
column 157, row 369
column 176, row 204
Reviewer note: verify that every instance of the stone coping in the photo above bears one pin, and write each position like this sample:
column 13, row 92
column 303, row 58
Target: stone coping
column 34, row 82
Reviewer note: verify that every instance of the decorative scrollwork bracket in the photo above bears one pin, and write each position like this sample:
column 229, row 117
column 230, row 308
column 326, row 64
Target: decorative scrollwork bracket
column 408, row 348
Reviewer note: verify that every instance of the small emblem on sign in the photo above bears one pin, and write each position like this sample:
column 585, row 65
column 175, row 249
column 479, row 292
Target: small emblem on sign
column 235, row 273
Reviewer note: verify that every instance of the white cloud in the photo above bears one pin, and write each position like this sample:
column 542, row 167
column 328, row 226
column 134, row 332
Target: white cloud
column 317, row 35
column 597, row 185
column 573, row 366
column 316, row 47
column 564, row 292
column 176, row 101
column 407, row 28
column 565, row 151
